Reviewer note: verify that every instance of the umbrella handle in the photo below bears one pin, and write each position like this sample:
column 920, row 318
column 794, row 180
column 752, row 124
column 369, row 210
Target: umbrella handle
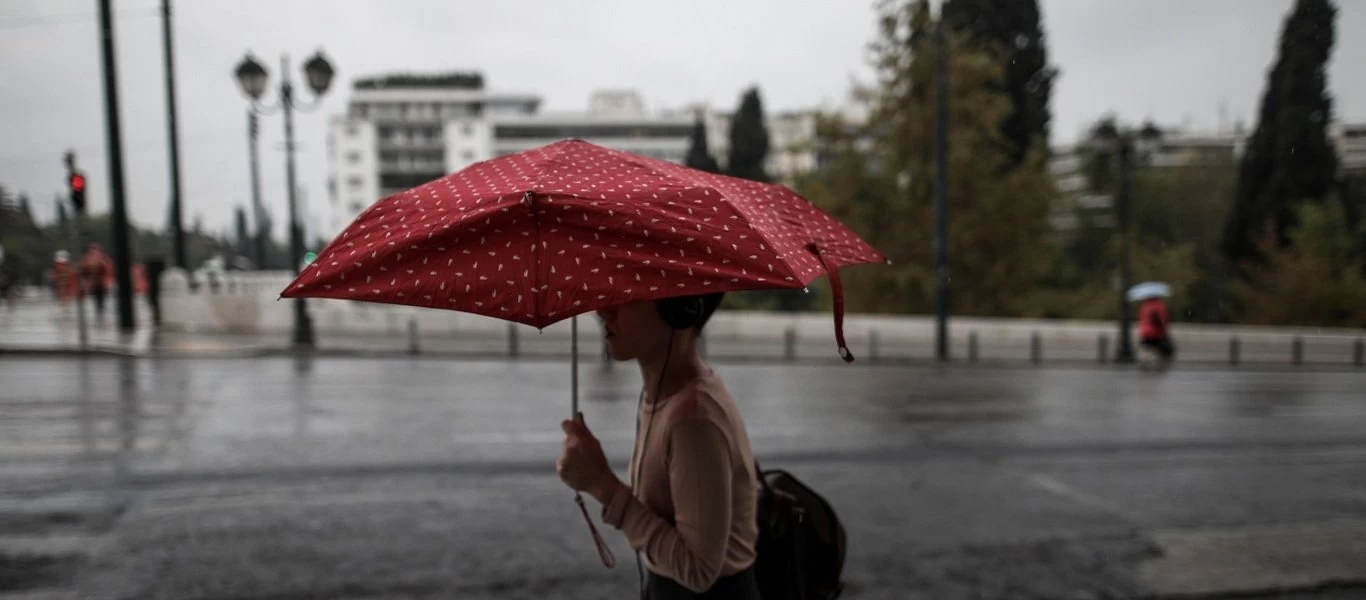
column 608, row 559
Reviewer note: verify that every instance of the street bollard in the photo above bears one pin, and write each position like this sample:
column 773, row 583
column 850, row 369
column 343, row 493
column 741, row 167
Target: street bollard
column 1035, row 348
column 1297, row 351
column 412, row 336
column 872, row 345
column 514, row 348
column 1102, row 348
column 1233, row 350
column 972, row 346
column 790, row 344
column 1359, row 352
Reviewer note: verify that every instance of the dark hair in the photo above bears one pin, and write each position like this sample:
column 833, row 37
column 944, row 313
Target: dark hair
column 710, row 302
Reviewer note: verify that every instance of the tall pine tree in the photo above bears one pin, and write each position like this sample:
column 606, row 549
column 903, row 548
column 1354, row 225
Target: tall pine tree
column 748, row 139
column 1289, row 158
column 1011, row 31
column 698, row 156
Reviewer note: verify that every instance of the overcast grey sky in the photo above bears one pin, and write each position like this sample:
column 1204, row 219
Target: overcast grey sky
column 1176, row 61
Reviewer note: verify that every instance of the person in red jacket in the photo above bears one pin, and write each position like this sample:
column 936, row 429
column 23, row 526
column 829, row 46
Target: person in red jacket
column 1154, row 328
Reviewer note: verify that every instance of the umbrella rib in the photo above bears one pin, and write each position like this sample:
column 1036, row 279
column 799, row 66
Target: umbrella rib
column 536, row 250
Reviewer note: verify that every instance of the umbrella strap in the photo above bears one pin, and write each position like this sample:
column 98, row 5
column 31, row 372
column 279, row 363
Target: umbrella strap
column 608, row 559
column 837, row 290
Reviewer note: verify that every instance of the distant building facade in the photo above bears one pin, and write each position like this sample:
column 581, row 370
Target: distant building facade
column 401, row 131
column 1176, row 149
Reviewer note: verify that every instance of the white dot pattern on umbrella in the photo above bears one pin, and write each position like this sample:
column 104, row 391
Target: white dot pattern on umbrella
column 539, row 236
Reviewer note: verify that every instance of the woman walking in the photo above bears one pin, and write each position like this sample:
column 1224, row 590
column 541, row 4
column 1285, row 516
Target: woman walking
column 689, row 507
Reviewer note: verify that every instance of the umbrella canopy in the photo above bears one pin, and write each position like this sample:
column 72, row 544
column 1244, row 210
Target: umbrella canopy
column 542, row 235
column 1148, row 290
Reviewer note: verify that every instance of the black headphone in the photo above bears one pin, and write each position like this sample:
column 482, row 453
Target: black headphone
column 683, row 312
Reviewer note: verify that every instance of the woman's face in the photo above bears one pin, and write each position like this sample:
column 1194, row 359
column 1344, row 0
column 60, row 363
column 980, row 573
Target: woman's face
column 633, row 330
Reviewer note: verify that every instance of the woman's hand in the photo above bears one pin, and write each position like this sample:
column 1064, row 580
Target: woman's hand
column 582, row 465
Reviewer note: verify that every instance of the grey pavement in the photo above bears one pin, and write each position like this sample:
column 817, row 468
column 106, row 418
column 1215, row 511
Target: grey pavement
column 334, row 477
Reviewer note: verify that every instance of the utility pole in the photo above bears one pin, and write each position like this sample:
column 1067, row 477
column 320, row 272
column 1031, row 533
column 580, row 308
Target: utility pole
column 941, row 183
column 173, row 142
column 118, row 222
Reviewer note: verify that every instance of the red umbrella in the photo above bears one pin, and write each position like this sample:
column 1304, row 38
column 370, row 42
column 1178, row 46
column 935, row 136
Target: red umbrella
column 547, row 234
column 542, row 235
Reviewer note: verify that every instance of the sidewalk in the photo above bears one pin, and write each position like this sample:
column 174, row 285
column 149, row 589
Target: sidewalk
column 39, row 327
column 36, row 326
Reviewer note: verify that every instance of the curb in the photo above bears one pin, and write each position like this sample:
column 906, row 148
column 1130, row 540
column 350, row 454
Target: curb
column 591, row 358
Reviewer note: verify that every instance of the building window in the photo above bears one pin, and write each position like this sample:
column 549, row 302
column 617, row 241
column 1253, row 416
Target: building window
column 385, row 133
column 352, row 131
column 353, row 157
column 357, row 207
column 467, row 156
column 591, row 130
column 466, row 130
column 356, row 182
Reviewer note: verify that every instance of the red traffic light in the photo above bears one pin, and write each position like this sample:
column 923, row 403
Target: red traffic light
column 77, row 182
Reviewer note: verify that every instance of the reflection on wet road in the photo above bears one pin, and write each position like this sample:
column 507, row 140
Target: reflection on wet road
column 265, row 477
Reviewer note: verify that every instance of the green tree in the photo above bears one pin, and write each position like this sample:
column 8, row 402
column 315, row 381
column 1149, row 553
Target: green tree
column 748, row 139
column 1012, row 31
column 1316, row 280
column 879, row 179
column 1289, row 158
column 699, row 157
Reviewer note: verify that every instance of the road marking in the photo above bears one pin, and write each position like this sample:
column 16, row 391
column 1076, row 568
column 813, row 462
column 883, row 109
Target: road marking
column 1091, row 501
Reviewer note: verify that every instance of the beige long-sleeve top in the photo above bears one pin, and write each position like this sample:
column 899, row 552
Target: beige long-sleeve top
column 692, row 510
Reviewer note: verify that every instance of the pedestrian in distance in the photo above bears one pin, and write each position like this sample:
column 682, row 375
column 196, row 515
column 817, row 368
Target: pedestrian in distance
column 97, row 272
column 689, row 507
column 1154, row 331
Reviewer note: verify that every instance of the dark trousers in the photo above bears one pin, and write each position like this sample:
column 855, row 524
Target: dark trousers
column 1163, row 346
column 740, row 586
column 99, row 293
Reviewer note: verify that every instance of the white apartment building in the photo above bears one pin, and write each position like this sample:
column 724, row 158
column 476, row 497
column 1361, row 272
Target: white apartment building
column 402, row 131
column 615, row 118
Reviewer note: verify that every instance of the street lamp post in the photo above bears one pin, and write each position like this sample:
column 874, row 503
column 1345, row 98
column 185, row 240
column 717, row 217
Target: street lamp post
column 252, row 77
column 941, row 194
column 1125, row 352
column 257, row 211
column 1125, row 145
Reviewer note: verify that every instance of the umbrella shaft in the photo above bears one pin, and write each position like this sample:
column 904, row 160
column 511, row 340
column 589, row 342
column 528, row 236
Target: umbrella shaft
column 574, row 367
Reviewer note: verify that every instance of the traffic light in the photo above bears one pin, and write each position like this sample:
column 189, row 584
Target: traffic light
column 77, row 184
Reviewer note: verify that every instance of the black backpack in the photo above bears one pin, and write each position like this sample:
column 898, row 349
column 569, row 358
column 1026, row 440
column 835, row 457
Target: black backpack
column 801, row 541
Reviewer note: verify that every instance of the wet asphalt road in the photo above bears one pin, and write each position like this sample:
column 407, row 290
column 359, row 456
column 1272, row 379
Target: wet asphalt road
column 396, row 478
